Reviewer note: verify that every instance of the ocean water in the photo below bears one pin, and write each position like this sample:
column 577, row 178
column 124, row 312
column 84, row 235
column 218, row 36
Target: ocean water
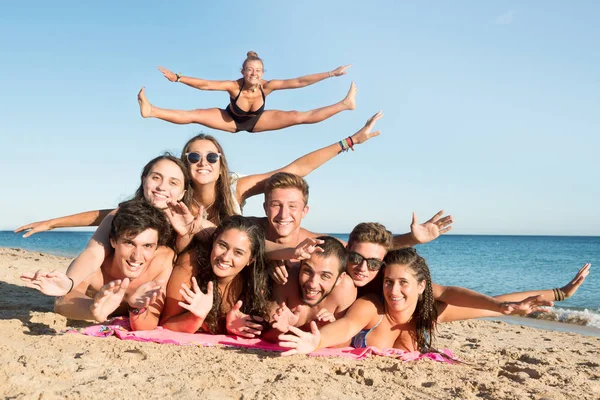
column 489, row 264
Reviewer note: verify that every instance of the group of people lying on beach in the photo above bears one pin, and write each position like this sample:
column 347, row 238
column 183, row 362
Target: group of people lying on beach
column 180, row 255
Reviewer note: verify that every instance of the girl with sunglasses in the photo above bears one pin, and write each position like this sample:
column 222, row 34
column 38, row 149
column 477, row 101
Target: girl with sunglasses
column 404, row 313
column 247, row 96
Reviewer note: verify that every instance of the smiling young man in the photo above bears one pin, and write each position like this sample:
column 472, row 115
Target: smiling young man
column 311, row 291
column 131, row 278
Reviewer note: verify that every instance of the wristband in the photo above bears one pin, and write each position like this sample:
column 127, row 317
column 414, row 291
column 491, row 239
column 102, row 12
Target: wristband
column 72, row 284
column 178, row 77
column 137, row 311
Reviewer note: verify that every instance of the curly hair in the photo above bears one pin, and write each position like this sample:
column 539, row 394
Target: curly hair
column 135, row 216
column 256, row 282
column 425, row 313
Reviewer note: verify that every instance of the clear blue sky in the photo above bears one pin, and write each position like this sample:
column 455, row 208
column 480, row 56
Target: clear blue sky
column 491, row 108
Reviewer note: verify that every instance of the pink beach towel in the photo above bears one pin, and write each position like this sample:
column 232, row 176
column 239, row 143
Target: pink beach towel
column 120, row 327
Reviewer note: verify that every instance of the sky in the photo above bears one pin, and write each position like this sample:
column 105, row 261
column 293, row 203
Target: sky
column 490, row 108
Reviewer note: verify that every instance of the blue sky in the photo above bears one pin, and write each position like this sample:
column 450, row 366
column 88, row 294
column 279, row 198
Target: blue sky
column 491, row 108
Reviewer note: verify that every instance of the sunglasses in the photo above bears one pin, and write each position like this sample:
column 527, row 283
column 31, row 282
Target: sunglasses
column 194, row 157
column 373, row 264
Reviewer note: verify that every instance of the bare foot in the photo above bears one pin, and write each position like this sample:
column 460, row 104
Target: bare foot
column 350, row 100
column 145, row 106
column 570, row 288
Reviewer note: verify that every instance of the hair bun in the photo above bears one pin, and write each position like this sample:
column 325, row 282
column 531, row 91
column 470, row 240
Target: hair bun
column 251, row 54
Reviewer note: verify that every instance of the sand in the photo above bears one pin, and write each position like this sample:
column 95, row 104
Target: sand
column 504, row 361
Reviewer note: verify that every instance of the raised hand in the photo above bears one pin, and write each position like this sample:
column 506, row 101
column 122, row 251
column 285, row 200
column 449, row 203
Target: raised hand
column 284, row 319
column 339, row 71
column 145, row 294
column 168, row 74
column 35, row 227
column 182, row 219
column 431, row 229
column 278, row 271
column 108, row 299
column 527, row 306
column 365, row 133
column 301, row 342
column 242, row 324
column 52, row 283
column 196, row 302
column 325, row 317
column 570, row 288
column 307, row 247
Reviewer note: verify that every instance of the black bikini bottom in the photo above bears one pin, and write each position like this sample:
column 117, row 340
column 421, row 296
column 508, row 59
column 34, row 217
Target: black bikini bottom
column 246, row 122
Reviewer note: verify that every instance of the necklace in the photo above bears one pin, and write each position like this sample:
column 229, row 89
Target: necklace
column 205, row 210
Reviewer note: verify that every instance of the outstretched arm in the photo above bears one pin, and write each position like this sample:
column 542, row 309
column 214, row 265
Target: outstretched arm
column 425, row 232
column 463, row 297
column 94, row 254
column 279, row 84
column 88, row 218
column 360, row 315
column 252, row 185
column 202, row 84
column 514, row 303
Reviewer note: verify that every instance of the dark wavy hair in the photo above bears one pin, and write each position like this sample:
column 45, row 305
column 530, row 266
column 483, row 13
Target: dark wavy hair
column 223, row 206
column 135, row 216
column 256, row 283
column 426, row 313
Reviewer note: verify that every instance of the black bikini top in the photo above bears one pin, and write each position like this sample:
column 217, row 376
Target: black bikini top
column 238, row 111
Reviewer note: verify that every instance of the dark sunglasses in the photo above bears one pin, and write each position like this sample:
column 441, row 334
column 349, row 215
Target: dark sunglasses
column 373, row 264
column 194, row 157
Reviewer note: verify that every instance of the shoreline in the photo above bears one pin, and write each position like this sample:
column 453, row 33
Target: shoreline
column 501, row 361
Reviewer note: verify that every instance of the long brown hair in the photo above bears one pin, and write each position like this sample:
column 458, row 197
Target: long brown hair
column 426, row 313
column 256, row 283
column 224, row 205
column 139, row 193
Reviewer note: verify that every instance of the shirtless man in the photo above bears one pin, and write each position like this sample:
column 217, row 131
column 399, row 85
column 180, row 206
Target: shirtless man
column 130, row 280
column 309, row 291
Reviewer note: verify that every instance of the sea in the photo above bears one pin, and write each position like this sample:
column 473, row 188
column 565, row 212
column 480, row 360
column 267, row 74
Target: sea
column 486, row 263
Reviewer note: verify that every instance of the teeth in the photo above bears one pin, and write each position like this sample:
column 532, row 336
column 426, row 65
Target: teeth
column 203, row 171
column 160, row 196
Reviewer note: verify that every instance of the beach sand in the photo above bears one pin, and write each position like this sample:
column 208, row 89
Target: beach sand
column 504, row 361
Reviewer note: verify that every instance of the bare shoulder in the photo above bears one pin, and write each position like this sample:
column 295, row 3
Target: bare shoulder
column 305, row 234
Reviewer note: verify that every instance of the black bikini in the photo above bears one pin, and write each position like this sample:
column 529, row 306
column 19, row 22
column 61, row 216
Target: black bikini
column 244, row 120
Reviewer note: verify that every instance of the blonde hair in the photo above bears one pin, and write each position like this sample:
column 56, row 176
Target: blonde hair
column 371, row 232
column 252, row 56
column 286, row 180
column 224, row 205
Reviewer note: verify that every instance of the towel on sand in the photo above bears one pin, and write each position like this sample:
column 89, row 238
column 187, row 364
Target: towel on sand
column 120, row 327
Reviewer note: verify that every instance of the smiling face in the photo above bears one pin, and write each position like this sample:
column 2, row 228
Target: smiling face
column 203, row 172
column 285, row 209
column 133, row 254
column 318, row 276
column 359, row 273
column 401, row 289
column 165, row 181
column 253, row 72
column 231, row 252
